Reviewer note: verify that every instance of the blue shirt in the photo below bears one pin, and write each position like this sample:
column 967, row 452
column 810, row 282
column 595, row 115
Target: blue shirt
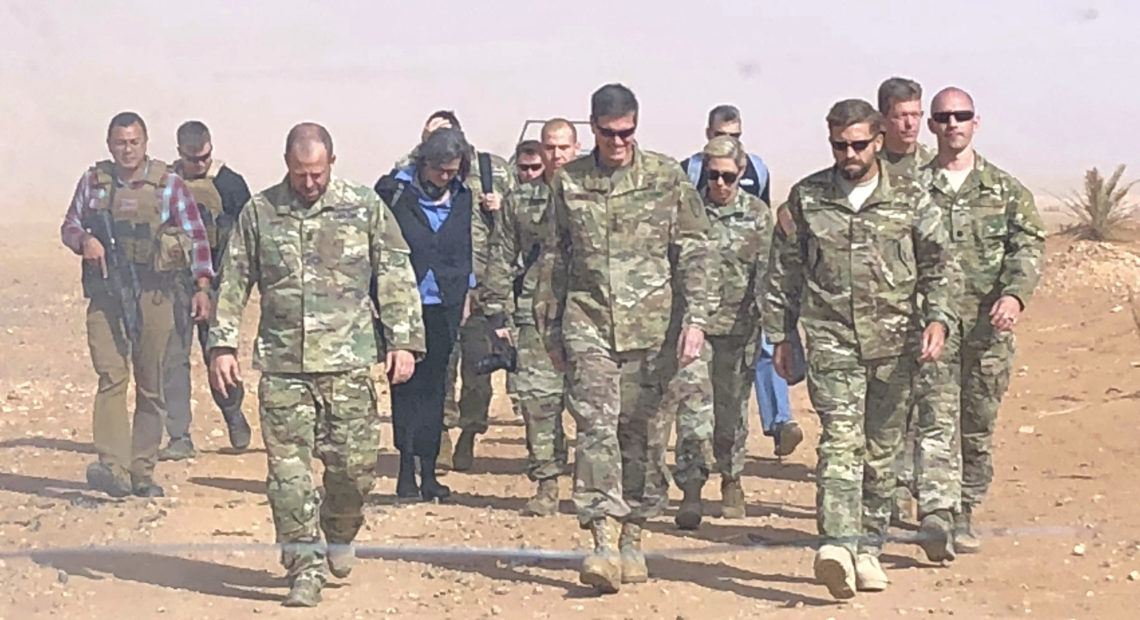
column 436, row 213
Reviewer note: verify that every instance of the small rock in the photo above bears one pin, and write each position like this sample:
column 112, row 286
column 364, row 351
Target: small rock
column 501, row 590
column 61, row 576
column 1079, row 550
column 496, row 610
column 1026, row 430
column 1134, row 575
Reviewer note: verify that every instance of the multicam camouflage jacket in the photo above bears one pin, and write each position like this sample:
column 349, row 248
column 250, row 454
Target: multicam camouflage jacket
column 909, row 164
column 312, row 266
column 740, row 238
column 515, row 250
column 606, row 274
column 852, row 276
column 997, row 240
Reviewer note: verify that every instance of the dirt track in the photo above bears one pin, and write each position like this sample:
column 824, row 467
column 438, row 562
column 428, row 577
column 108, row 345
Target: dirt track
column 1066, row 463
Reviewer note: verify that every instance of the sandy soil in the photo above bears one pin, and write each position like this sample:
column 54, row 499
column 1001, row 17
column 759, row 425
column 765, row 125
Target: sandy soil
column 1061, row 532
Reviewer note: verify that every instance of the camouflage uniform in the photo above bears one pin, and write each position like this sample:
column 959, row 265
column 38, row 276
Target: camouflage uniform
column 907, row 164
column 997, row 241
column 709, row 396
column 605, row 293
column 469, row 411
column 511, row 277
column 852, row 277
column 315, row 345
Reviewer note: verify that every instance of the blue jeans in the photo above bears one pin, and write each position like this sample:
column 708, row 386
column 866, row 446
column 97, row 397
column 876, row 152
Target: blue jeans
column 771, row 390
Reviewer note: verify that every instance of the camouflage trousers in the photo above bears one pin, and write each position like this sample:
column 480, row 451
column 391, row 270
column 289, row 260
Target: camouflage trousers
column 931, row 454
column 619, row 462
column 862, row 409
column 985, row 374
column 176, row 377
column 540, row 393
column 709, row 397
column 468, row 412
column 331, row 416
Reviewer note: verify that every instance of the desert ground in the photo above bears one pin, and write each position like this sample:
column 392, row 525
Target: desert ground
column 1061, row 527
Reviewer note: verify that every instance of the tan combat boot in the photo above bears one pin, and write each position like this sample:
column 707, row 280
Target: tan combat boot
column 835, row 569
column 935, row 536
column 443, row 461
column 731, row 498
column 545, row 500
column 633, row 569
column 305, row 591
column 869, row 574
column 691, row 510
column 902, row 506
column 965, row 538
column 602, row 568
column 341, row 558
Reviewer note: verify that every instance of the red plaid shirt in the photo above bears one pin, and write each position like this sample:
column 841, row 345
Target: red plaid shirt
column 178, row 208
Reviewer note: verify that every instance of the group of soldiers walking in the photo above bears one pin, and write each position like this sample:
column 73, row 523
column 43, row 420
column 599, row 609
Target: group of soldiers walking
column 641, row 294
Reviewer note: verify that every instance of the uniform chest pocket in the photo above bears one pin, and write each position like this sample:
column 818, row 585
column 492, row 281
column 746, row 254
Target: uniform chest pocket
column 891, row 228
column 586, row 215
column 341, row 243
column 642, row 216
column 828, row 245
column 279, row 252
column 989, row 218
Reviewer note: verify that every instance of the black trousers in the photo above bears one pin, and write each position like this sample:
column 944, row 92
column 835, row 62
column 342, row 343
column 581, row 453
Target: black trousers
column 417, row 405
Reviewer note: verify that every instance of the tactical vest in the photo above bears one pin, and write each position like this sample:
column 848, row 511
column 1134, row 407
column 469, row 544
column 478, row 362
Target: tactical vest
column 209, row 201
column 136, row 209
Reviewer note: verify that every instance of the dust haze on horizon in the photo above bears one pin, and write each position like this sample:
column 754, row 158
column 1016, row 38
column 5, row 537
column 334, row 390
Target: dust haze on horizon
column 1055, row 81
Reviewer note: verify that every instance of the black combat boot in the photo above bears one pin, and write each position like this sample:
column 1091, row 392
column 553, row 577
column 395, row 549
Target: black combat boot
column 406, row 482
column 430, row 488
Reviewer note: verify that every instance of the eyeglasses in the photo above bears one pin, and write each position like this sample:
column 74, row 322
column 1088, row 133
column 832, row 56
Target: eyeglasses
column 858, row 145
column 624, row 134
column 729, row 177
column 529, row 167
column 959, row 115
column 731, row 134
column 197, row 159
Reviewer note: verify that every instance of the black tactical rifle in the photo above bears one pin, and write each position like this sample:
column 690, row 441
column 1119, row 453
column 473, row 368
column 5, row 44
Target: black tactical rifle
column 121, row 281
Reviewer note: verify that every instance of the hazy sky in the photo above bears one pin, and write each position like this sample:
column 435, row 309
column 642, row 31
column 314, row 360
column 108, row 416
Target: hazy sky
column 1057, row 82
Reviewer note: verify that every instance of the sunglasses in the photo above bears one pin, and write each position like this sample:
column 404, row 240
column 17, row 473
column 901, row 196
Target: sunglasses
column 857, row 145
column 731, row 134
column 729, row 177
column 529, row 167
column 624, row 134
column 197, row 159
column 959, row 115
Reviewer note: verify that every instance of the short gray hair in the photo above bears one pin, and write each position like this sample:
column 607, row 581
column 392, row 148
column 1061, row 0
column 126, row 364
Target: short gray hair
column 443, row 145
column 723, row 114
column 308, row 134
column 898, row 89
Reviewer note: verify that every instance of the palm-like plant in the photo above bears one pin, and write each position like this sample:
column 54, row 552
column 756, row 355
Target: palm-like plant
column 1103, row 206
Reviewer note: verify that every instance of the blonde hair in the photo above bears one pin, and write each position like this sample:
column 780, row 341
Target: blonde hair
column 727, row 147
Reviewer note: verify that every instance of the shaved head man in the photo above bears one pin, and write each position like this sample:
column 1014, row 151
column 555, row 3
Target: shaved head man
column 316, row 344
column 560, row 144
column 998, row 239
column 539, row 385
